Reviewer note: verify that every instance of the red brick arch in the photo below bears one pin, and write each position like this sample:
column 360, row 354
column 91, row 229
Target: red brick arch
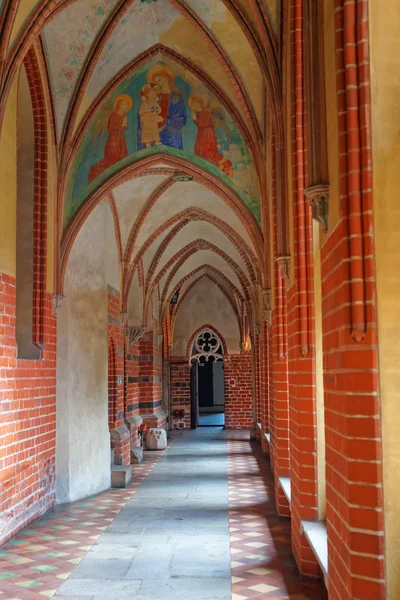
column 195, row 213
column 180, row 258
column 40, row 191
column 222, row 226
column 140, row 169
column 144, row 213
column 175, row 263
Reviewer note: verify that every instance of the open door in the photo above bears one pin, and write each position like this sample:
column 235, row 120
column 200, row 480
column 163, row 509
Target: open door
column 218, row 386
column 194, row 395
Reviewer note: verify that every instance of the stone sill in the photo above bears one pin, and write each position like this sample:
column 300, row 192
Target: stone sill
column 285, row 485
column 315, row 532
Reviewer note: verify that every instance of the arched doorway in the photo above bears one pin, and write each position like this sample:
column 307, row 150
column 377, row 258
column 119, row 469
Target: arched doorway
column 207, row 381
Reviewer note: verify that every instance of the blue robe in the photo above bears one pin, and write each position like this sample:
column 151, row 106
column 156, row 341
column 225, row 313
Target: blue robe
column 171, row 133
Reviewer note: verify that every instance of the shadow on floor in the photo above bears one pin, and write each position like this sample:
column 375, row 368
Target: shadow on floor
column 272, row 570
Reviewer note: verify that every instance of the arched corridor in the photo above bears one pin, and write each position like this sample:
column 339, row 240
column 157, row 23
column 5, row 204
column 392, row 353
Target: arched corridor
column 199, row 522
column 199, row 227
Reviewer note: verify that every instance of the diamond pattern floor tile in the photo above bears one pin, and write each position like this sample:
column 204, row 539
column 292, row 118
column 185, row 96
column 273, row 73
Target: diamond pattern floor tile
column 262, row 562
column 35, row 563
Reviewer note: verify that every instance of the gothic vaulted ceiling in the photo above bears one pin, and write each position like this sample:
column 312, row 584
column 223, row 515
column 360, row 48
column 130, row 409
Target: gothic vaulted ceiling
column 158, row 107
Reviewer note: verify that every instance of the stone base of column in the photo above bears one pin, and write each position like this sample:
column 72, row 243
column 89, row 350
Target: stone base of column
column 156, row 419
column 133, row 424
column 121, row 445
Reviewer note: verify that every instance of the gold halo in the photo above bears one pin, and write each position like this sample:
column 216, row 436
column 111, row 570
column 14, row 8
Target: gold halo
column 201, row 98
column 124, row 97
column 160, row 69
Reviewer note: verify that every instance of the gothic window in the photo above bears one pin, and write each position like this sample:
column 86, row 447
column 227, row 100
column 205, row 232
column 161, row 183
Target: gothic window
column 206, row 346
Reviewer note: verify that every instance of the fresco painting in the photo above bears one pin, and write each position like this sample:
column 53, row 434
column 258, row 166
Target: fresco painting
column 68, row 39
column 163, row 108
column 150, row 22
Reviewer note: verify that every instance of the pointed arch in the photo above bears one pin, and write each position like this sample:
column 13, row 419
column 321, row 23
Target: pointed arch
column 140, row 169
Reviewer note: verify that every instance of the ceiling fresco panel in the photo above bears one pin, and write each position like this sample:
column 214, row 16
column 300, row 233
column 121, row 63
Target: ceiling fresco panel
column 68, row 39
column 147, row 24
column 139, row 28
column 162, row 107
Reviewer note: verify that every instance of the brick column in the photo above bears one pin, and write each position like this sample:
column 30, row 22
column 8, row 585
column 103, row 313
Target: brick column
column 150, row 381
column 265, row 382
column 352, row 408
column 180, row 391
column 238, row 391
column 119, row 433
column 132, row 416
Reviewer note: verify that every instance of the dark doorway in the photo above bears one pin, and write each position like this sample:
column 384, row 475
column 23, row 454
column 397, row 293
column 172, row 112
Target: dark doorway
column 211, row 393
column 194, row 395
column 207, row 396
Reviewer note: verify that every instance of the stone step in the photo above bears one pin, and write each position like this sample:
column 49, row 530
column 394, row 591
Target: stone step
column 121, row 476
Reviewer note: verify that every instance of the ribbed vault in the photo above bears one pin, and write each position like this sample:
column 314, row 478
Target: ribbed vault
column 158, row 109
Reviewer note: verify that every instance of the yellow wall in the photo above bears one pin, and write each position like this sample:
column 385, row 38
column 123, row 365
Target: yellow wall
column 8, row 189
column 385, row 76
column 8, row 192
column 24, row 8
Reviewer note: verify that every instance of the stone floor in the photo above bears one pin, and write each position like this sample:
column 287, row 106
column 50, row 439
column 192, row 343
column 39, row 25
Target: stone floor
column 199, row 524
column 211, row 419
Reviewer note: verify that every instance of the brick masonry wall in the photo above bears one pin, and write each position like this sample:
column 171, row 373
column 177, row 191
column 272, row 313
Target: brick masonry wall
column 150, row 373
column 180, row 391
column 132, row 391
column 353, row 438
column 27, row 420
column 120, row 438
column 238, row 391
column 265, row 383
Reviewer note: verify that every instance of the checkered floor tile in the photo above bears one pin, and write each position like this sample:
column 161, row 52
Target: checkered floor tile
column 261, row 559
column 37, row 560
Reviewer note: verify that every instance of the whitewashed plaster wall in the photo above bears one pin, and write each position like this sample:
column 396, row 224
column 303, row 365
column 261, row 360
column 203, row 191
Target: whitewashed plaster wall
column 205, row 303
column 83, row 440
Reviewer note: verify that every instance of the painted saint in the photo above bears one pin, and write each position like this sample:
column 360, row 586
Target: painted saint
column 173, row 109
column 114, row 123
column 150, row 114
column 206, row 146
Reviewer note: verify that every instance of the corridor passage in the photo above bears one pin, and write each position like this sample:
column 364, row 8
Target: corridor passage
column 199, row 524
